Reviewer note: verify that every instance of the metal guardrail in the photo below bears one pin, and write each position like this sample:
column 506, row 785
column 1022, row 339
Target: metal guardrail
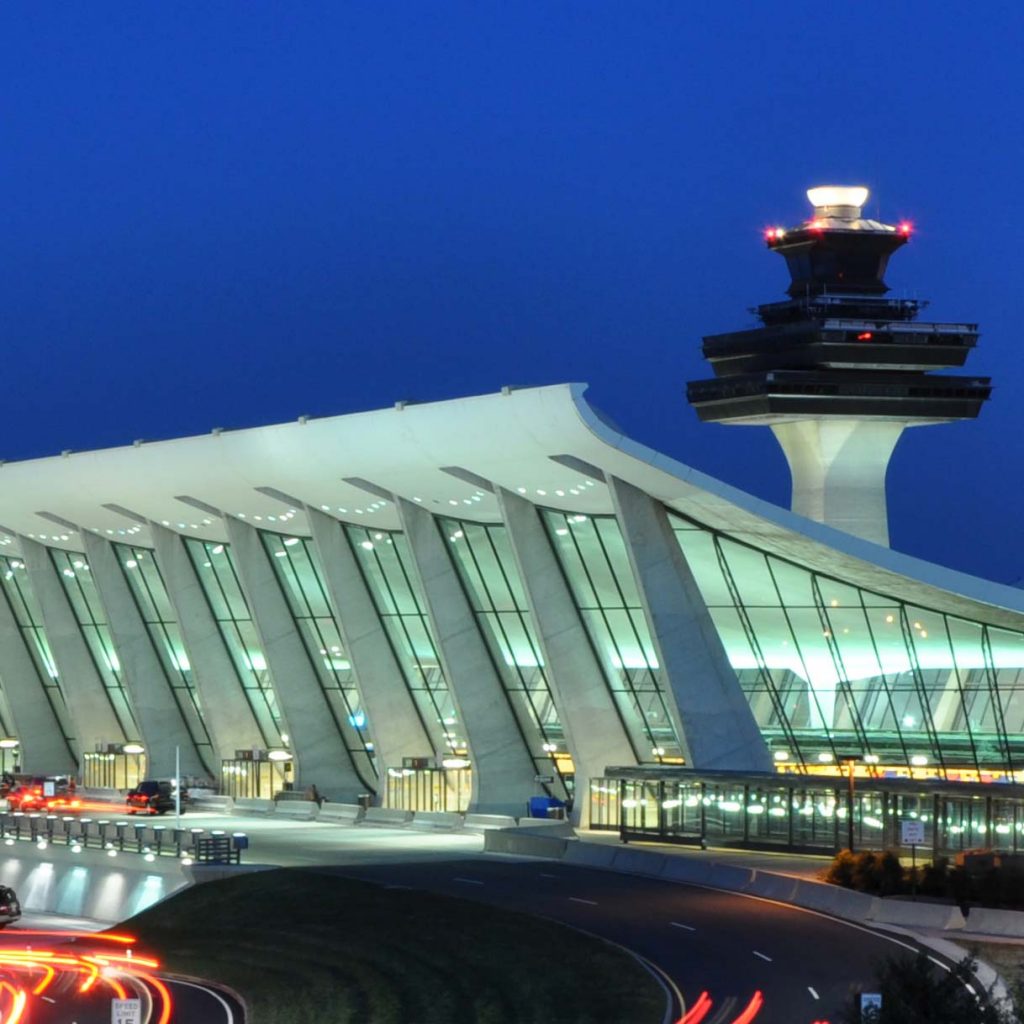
column 117, row 836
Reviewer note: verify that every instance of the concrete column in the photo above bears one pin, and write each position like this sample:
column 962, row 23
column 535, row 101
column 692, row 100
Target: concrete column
column 838, row 469
column 34, row 718
column 163, row 729
column 321, row 756
column 594, row 731
column 710, row 712
column 229, row 719
column 503, row 771
column 88, row 703
column 393, row 722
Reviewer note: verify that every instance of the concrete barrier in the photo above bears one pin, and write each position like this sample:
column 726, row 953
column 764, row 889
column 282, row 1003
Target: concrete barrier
column 386, row 816
column 730, row 876
column 341, row 814
column 437, row 819
column 524, row 844
column 911, row 914
column 477, row 822
column 590, row 855
column 989, row 921
column 773, row 887
column 297, row 810
column 639, row 862
column 251, row 805
column 691, row 870
column 216, row 804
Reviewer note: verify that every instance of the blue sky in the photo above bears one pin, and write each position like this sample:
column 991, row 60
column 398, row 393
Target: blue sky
column 236, row 213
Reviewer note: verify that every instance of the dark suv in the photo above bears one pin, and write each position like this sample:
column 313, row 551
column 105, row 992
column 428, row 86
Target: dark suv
column 10, row 908
column 152, row 797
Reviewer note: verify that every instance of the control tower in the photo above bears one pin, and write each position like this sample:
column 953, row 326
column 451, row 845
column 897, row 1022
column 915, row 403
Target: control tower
column 838, row 370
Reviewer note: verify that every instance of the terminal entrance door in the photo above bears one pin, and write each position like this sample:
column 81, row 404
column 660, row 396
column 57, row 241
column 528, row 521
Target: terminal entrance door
column 112, row 770
column 429, row 789
column 246, row 778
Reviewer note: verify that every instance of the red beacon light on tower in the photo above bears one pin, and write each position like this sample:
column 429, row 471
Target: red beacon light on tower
column 905, row 228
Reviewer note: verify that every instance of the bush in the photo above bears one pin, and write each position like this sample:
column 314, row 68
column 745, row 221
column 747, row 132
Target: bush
column 914, row 991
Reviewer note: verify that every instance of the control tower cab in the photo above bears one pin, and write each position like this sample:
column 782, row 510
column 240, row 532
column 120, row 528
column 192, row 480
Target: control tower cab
column 839, row 369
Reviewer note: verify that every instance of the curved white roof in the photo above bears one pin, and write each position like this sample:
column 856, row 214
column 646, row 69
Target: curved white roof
column 544, row 443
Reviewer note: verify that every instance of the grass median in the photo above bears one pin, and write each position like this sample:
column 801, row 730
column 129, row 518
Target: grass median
column 303, row 947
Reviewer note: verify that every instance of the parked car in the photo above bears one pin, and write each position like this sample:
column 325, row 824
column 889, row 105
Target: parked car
column 152, row 796
column 10, row 908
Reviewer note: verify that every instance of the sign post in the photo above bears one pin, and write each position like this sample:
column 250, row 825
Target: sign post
column 912, row 835
column 126, row 1011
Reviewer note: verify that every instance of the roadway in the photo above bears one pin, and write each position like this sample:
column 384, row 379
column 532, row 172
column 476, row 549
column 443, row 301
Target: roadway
column 726, row 944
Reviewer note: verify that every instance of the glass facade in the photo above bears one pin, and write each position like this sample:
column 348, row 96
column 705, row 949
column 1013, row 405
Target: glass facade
column 26, row 613
column 805, row 812
column 593, row 557
column 147, row 587
column 833, row 669
column 490, row 578
column 75, row 575
column 303, row 588
column 223, row 592
column 386, row 564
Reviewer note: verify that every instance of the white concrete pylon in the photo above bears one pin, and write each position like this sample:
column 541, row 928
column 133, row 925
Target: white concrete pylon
column 838, row 468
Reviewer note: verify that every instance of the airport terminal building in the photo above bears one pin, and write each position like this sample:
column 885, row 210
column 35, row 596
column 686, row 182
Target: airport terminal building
column 467, row 603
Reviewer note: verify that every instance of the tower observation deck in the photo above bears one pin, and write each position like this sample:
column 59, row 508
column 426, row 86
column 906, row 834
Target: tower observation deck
column 838, row 370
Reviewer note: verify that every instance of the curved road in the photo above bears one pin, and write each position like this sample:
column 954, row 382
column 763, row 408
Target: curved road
column 728, row 945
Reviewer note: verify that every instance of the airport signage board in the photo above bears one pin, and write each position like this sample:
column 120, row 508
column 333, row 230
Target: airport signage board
column 911, row 833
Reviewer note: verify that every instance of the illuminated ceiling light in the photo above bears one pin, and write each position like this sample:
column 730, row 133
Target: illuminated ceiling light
column 562, row 531
column 909, row 720
column 781, row 755
column 133, row 748
column 871, row 759
column 291, row 541
column 919, row 760
column 455, row 762
column 279, row 755
column 889, row 618
column 521, row 490
column 366, row 545
column 543, row 494
column 131, row 564
column 280, row 554
column 824, row 757
column 8, row 743
column 217, row 549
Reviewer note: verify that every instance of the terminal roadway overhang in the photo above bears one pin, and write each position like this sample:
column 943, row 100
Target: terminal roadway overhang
column 546, row 444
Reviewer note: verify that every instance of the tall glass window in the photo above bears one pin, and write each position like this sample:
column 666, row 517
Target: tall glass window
column 219, row 581
column 26, row 613
column 76, row 577
column 147, row 586
column 490, row 578
column 307, row 599
column 830, row 668
column 386, row 564
column 593, row 557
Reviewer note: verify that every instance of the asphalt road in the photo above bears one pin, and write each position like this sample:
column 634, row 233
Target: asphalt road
column 727, row 945
column 45, row 963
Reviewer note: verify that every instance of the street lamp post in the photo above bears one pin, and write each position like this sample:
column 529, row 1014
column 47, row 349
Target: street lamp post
column 850, row 760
